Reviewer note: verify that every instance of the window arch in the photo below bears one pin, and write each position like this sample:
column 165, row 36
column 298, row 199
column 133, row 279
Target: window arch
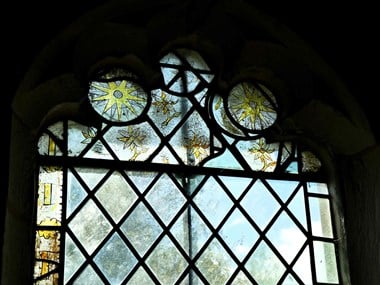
column 253, row 60
column 180, row 173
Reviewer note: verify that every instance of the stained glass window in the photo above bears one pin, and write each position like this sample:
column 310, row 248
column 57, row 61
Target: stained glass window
column 179, row 185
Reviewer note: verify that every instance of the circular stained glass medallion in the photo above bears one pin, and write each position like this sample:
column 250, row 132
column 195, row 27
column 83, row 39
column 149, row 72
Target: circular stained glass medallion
column 118, row 100
column 251, row 106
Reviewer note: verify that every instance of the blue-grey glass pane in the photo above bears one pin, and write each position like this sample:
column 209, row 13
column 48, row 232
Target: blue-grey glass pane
column 88, row 276
column 140, row 278
column 91, row 176
column 115, row 260
column 141, row 229
column 213, row 201
column 75, row 193
column 78, row 137
column 73, row 259
column 166, row 262
column 165, row 198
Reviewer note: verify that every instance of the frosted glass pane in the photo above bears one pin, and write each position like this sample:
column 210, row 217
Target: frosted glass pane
column 88, row 276
column 260, row 204
column 90, row 226
column 141, row 179
column 325, row 262
column 140, row 278
column 265, row 266
column 320, row 217
column 141, row 229
column 215, row 264
column 303, row 267
column 319, row 188
column 115, row 260
column 165, row 198
column 166, row 262
column 75, row 193
column 241, row 279
column 73, row 258
column 213, row 202
column 91, row 176
column 116, row 196
column 47, row 146
column 239, row 235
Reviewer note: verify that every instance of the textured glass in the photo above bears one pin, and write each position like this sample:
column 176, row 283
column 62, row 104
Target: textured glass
column 89, row 276
column 215, row 264
column 325, row 262
column 116, row 196
column 286, row 237
column 165, row 198
column 213, row 202
column 49, row 203
column 132, row 142
column 166, row 262
column 260, row 204
column 259, row 155
column 250, row 108
column 303, row 267
column 91, row 176
column 265, row 266
column 75, row 193
column 47, row 254
column 141, row 229
column 115, row 260
column 140, row 278
column 90, row 226
column 118, row 101
column 141, row 179
column 48, row 146
column 320, row 217
column 318, row 188
column 239, row 234
column 73, row 259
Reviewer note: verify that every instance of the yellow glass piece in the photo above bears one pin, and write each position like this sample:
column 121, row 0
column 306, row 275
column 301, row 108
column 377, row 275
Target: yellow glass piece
column 166, row 106
column 262, row 152
column 52, row 147
column 48, row 234
column 133, row 139
column 47, row 193
column 118, row 94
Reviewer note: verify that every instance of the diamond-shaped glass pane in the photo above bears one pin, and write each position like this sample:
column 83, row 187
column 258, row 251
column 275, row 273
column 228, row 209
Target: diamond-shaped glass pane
column 140, row 278
column 283, row 188
column 165, row 198
column 116, row 196
column 265, row 266
column 75, row 193
column 141, row 179
column 260, row 204
column 73, row 258
column 115, row 260
column 90, row 226
column 286, row 237
column 141, row 229
column 215, row 264
column 213, row 201
column 297, row 207
column 91, row 176
column 236, row 185
column 190, row 231
column 241, row 279
column 89, row 276
column 303, row 267
column 239, row 234
column 166, row 262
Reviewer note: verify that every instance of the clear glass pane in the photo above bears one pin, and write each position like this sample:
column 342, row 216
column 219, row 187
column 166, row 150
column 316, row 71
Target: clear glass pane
column 239, row 235
column 75, row 193
column 289, row 280
column 141, row 229
column 241, row 279
column 140, row 278
column 303, row 267
column 118, row 101
column 286, row 237
column 325, row 262
column 90, row 226
column 166, row 262
column 141, row 179
column 213, row 202
column 320, row 217
column 265, row 266
column 165, row 198
column 283, row 188
column 236, row 185
column 215, row 264
column 297, row 207
column 91, row 176
column 115, row 260
column 260, row 204
column 319, row 188
column 116, row 196
column 73, row 259
column 224, row 160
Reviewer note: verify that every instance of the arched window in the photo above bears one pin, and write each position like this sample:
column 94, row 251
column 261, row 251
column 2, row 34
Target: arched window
column 179, row 185
column 155, row 143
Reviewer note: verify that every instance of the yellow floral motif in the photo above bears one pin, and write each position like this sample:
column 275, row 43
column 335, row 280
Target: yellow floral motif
column 133, row 139
column 166, row 107
column 262, row 152
column 89, row 135
column 252, row 106
column 198, row 145
column 119, row 94
column 48, row 234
